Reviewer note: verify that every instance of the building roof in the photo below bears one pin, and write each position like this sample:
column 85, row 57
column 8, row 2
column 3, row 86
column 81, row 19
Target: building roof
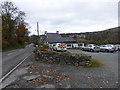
column 57, row 38
column 54, row 38
column 69, row 39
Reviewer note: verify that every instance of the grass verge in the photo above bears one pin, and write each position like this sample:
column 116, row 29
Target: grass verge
column 95, row 64
column 81, row 54
column 12, row 47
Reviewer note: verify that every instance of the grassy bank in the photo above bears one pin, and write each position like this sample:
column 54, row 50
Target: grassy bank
column 81, row 54
column 12, row 47
column 95, row 64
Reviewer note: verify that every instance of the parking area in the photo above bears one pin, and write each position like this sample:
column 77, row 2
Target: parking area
column 109, row 59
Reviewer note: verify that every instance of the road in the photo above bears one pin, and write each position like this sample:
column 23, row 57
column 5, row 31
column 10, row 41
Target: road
column 12, row 58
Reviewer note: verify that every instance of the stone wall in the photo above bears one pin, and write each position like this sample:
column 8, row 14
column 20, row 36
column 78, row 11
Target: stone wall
column 65, row 58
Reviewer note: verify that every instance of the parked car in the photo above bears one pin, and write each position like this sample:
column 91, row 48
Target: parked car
column 69, row 46
column 107, row 48
column 81, row 45
column 74, row 45
column 59, row 47
column 117, row 47
column 91, row 47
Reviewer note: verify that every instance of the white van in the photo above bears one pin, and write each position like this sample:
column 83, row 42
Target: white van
column 75, row 45
column 69, row 46
column 81, row 45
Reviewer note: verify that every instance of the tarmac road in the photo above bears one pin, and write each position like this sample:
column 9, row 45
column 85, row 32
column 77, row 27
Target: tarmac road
column 12, row 58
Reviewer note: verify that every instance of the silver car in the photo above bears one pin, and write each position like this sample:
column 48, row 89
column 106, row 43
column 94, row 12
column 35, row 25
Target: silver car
column 107, row 48
column 117, row 47
column 91, row 47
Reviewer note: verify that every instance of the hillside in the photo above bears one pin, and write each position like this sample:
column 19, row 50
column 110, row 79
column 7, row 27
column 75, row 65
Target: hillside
column 110, row 36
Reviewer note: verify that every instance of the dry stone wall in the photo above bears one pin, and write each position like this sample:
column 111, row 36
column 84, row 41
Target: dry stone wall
column 64, row 58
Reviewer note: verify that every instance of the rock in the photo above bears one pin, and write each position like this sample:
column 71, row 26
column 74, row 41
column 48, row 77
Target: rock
column 76, row 64
column 88, row 77
column 30, row 72
column 73, row 55
column 60, row 84
column 31, row 77
column 107, row 82
column 47, row 71
column 15, row 86
column 46, row 76
column 47, row 86
column 68, row 86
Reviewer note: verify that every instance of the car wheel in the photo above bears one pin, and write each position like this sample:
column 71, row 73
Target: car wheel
column 106, row 50
column 112, row 51
column 98, row 51
column 91, row 50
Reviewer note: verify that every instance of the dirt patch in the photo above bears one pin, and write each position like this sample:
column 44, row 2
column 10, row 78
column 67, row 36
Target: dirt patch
column 42, row 76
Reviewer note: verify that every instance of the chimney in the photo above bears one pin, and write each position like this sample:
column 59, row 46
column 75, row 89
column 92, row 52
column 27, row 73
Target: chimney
column 45, row 32
column 57, row 32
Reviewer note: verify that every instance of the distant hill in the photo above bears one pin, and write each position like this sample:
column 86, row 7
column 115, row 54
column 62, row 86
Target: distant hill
column 110, row 36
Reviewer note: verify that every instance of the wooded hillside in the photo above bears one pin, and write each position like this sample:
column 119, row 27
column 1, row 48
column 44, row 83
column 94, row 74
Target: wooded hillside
column 109, row 36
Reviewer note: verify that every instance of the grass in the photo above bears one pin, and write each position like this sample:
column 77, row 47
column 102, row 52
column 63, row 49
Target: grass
column 12, row 47
column 59, row 53
column 95, row 64
column 80, row 39
column 68, row 53
column 81, row 54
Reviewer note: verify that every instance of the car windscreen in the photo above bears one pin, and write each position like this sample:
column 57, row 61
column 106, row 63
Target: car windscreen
column 109, row 45
column 61, row 44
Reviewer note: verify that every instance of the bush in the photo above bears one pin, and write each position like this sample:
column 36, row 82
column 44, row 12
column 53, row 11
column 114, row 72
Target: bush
column 42, row 47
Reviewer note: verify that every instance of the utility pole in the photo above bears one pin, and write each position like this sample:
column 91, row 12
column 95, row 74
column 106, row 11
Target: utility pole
column 38, row 29
column 38, row 33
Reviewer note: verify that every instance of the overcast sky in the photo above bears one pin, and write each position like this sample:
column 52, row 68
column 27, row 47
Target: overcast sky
column 69, row 16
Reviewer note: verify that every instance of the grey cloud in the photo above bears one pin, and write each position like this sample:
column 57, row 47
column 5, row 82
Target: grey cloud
column 69, row 15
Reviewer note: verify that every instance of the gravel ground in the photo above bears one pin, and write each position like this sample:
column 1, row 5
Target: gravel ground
column 42, row 75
